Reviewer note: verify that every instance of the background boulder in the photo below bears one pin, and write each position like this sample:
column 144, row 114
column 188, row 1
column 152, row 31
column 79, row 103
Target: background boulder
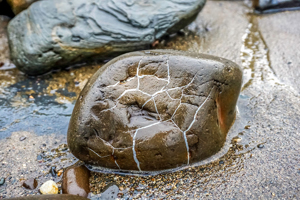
column 54, row 34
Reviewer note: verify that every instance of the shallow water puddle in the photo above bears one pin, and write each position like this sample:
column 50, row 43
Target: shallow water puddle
column 255, row 56
column 42, row 104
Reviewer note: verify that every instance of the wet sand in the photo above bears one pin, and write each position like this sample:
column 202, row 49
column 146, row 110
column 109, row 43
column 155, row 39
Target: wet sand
column 261, row 157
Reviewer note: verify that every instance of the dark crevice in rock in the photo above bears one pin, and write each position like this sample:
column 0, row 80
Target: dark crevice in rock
column 5, row 9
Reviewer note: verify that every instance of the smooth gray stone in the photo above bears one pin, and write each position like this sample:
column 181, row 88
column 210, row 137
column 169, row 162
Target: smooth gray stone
column 53, row 34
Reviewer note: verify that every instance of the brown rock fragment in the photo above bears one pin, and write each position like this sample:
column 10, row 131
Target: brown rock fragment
column 76, row 181
column 30, row 184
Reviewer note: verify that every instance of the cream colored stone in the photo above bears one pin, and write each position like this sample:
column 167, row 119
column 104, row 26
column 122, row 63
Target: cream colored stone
column 49, row 187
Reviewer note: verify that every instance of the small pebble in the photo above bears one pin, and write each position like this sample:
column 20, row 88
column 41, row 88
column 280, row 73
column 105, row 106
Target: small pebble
column 241, row 133
column 260, row 146
column 181, row 33
column 247, row 127
column 30, row 184
column 49, row 187
column 76, row 181
column 2, row 181
column 39, row 157
column 221, row 162
column 31, row 98
column 22, row 138
column 237, row 139
column 53, row 171
column 59, row 173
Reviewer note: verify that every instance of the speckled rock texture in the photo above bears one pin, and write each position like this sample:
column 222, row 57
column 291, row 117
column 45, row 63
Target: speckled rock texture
column 86, row 30
column 155, row 110
column 18, row 6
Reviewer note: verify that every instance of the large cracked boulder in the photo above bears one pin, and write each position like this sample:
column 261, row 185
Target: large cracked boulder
column 155, row 110
column 54, row 34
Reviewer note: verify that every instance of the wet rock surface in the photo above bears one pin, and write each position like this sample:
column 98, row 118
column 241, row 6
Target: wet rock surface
column 268, row 114
column 18, row 6
column 76, row 181
column 95, row 29
column 155, row 110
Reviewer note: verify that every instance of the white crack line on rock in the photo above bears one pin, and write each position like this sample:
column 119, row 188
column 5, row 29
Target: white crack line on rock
column 117, row 164
column 133, row 147
column 104, row 156
column 114, row 84
column 110, row 108
column 108, row 155
column 163, row 89
column 113, row 148
column 152, row 98
column 97, row 153
column 184, row 133
column 183, row 87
